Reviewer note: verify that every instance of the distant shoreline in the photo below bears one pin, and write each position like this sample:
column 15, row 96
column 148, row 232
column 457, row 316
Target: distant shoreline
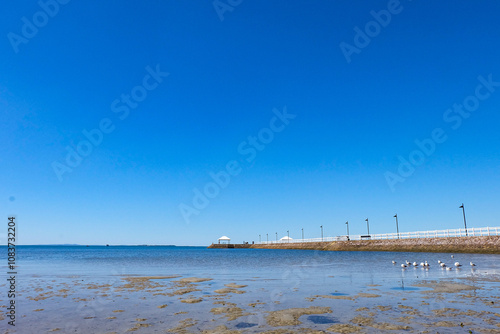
column 478, row 245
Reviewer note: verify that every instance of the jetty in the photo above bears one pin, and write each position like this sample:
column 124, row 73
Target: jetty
column 484, row 240
column 480, row 245
column 221, row 246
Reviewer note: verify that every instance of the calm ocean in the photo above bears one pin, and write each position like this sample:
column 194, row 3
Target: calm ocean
column 82, row 289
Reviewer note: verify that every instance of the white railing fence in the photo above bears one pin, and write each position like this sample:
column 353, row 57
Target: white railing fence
column 460, row 232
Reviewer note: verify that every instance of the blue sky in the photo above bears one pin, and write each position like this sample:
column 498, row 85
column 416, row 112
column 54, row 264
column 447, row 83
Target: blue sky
column 353, row 118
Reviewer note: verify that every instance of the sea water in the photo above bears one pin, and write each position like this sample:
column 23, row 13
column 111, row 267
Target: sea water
column 78, row 289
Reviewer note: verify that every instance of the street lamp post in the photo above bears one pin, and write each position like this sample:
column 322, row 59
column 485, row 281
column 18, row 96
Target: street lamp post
column 267, row 237
column 276, row 236
column 397, row 225
column 302, row 234
column 288, row 233
column 321, row 232
column 259, row 238
column 367, row 225
column 465, row 222
column 347, row 225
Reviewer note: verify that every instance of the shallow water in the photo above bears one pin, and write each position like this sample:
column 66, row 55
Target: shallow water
column 88, row 290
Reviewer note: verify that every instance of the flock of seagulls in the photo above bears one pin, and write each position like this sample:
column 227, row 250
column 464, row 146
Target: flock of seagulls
column 426, row 265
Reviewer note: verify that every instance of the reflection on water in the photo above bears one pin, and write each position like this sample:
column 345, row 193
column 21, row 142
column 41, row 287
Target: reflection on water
column 320, row 319
column 244, row 325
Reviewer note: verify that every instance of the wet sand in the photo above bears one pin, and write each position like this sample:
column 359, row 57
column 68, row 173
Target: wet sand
column 196, row 305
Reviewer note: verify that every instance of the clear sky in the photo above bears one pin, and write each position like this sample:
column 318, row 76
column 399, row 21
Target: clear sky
column 307, row 113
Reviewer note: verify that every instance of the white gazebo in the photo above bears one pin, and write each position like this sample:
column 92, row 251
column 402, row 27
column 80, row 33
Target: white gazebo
column 286, row 239
column 224, row 238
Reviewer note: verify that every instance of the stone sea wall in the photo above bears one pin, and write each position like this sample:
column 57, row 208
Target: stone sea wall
column 483, row 245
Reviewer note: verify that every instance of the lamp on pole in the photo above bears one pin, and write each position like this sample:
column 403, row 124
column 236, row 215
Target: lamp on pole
column 276, row 236
column 465, row 222
column 347, row 225
column 288, row 233
column 302, row 234
column 267, row 237
column 259, row 238
column 397, row 225
column 367, row 225
column 321, row 232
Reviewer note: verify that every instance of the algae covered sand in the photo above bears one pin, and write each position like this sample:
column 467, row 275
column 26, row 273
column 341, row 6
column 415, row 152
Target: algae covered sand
column 290, row 317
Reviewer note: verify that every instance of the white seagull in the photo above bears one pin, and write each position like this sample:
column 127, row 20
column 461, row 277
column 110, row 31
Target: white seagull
column 443, row 265
column 448, row 268
column 472, row 264
column 439, row 261
column 403, row 265
column 457, row 264
column 393, row 262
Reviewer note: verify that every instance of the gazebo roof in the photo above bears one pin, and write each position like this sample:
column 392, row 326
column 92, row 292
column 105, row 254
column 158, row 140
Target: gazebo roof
column 224, row 238
column 286, row 238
